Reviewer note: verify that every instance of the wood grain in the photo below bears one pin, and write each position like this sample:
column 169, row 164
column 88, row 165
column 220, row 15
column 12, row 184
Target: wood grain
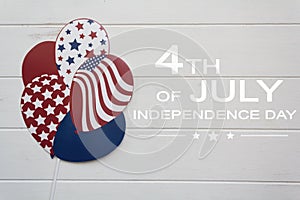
column 242, row 159
column 254, row 40
column 243, row 50
column 134, row 11
column 21, row 158
column 25, row 190
column 177, row 191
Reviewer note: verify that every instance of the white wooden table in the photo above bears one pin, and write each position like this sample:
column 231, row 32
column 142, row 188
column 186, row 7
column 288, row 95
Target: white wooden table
column 252, row 38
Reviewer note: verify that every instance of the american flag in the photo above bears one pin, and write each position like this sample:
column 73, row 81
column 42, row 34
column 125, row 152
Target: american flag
column 101, row 89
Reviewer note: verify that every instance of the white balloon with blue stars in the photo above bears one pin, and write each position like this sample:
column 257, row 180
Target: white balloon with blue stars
column 79, row 40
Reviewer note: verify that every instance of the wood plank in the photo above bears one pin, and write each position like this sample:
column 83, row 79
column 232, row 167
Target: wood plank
column 25, row 190
column 176, row 191
column 242, row 50
column 195, row 11
column 144, row 99
column 22, row 158
column 174, row 158
column 10, row 103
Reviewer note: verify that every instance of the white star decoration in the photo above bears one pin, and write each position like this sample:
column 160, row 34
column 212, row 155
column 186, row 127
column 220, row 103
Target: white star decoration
column 56, row 86
column 230, row 136
column 44, row 136
column 45, row 82
column 31, row 129
column 49, row 110
column 52, row 127
column 27, row 98
column 60, row 116
column 36, row 89
column 29, row 113
column 47, row 94
column 213, row 136
column 66, row 92
column 37, row 103
column 59, row 100
column 53, row 76
column 40, row 119
column 196, row 136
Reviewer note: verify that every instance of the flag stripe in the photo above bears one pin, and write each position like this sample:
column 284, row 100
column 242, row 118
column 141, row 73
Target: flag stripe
column 118, row 94
column 121, row 82
column 118, row 87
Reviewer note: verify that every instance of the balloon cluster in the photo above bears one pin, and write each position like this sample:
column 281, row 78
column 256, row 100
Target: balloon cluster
column 75, row 93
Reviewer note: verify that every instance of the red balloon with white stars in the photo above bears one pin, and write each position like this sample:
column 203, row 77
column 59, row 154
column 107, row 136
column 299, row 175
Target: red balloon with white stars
column 44, row 104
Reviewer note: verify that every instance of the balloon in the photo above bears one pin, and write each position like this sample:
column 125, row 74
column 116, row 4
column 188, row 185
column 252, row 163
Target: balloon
column 44, row 103
column 100, row 91
column 39, row 60
column 77, row 41
column 74, row 146
column 101, row 86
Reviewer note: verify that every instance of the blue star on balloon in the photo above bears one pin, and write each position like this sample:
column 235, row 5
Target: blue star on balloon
column 68, row 32
column 75, row 45
column 58, row 67
column 70, row 60
column 90, row 21
column 61, row 47
column 102, row 42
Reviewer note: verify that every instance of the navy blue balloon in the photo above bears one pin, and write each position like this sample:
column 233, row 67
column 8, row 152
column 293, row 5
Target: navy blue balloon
column 86, row 146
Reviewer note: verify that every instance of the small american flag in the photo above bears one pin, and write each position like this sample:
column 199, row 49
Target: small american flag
column 101, row 89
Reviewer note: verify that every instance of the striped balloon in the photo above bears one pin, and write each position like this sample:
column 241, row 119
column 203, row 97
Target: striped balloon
column 100, row 91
